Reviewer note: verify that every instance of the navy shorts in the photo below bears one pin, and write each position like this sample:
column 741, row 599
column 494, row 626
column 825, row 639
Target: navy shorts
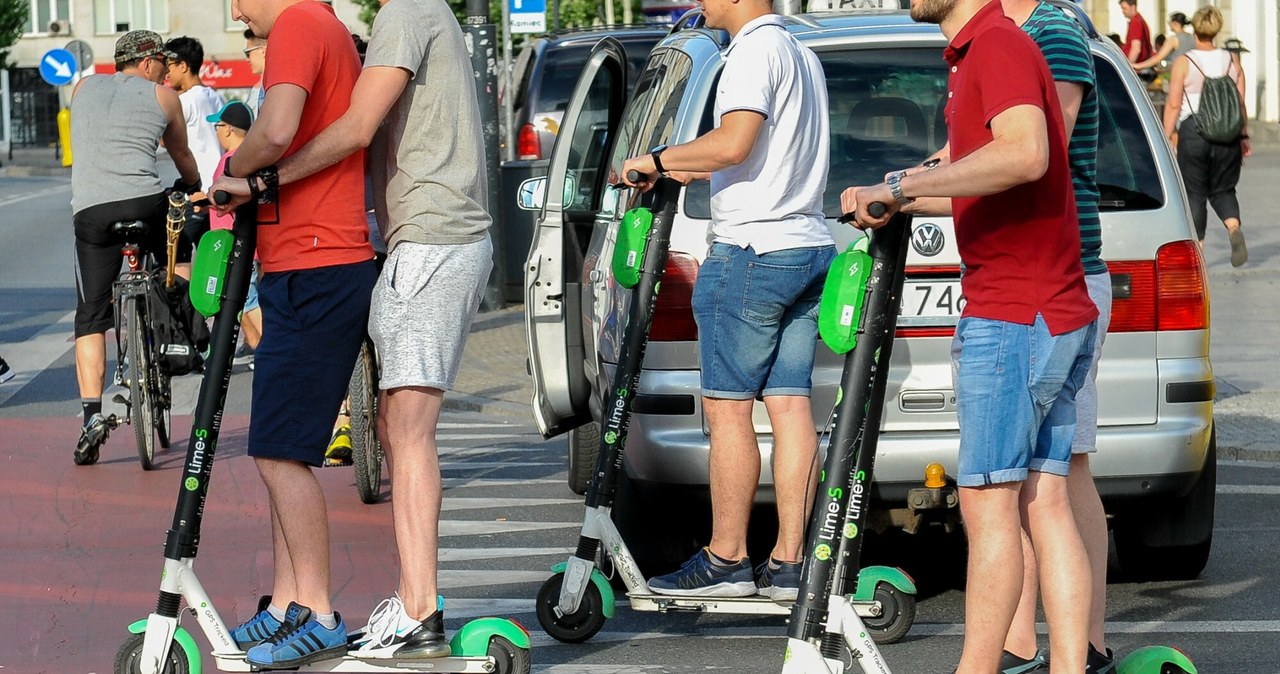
column 313, row 322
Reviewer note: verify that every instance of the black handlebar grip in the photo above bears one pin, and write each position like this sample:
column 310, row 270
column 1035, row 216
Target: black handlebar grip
column 221, row 198
column 634, row 176
column 876, row 209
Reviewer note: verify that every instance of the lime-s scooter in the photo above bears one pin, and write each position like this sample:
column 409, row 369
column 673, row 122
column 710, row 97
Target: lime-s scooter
column 825, row 634
column 574, row 604
column 220, row 281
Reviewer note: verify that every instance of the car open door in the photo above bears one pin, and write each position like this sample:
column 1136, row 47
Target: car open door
column 576, row 180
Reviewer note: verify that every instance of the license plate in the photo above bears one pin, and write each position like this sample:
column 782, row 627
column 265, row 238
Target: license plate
column 929, row 302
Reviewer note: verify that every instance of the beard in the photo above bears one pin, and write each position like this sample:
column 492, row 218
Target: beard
column 932, row 11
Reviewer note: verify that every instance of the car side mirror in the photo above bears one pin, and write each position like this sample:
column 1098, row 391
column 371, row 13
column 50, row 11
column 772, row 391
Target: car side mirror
column 532, row 193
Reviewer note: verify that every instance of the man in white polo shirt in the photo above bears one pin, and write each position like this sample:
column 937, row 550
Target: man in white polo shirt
column 756, row 298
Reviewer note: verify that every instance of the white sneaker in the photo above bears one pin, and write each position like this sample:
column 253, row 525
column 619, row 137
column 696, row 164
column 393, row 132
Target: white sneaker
column 387, row 630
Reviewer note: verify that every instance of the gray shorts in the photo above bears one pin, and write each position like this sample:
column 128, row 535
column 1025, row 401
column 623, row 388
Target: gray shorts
column 423, row 306
column 1086, row 438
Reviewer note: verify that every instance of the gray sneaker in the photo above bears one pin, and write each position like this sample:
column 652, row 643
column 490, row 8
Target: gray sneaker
column 92, row 436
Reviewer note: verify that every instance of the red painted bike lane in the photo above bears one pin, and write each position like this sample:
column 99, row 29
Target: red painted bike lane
column 81, row 547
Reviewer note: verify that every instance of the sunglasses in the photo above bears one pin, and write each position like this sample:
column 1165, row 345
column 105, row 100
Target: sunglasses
column 250, row 50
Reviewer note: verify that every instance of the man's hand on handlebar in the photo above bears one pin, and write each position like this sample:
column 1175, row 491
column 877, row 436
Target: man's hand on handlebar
column 237, row 188
column 639, row 172
column 186, row 188
column 855, row 203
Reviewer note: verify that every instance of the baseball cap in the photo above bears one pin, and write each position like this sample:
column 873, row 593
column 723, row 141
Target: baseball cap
column 235, row 114
column 140, row 44
column 1235, row 45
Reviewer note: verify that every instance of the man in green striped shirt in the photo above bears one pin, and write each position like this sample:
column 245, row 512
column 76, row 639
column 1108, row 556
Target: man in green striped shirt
column 1062, row 42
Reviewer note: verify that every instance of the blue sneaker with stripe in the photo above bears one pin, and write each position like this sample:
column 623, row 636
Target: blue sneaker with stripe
column 300, row 640
column 702, row 577
column 258, row 628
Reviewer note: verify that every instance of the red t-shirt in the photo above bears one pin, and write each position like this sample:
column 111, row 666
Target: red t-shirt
column 1138, row 31
column 1020, row 247
column 321, row 217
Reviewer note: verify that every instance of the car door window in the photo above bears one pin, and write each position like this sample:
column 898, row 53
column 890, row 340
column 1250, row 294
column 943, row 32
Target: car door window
column 650, row 119
column 601, row 106
column 1127, row 176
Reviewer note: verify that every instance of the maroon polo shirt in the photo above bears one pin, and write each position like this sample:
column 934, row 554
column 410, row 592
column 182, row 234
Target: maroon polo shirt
column 1020, row 247
column 1139, row 31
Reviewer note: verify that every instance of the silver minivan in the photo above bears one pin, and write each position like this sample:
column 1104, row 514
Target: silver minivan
column 887, row 85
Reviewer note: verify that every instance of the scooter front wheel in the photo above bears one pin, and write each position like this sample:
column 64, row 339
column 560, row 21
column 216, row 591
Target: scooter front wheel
column 508, row 657
column 898, row 613
column 128, row 658
column 571, row 628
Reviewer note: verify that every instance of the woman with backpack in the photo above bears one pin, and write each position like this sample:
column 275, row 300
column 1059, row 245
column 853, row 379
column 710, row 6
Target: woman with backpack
column 1205, row 119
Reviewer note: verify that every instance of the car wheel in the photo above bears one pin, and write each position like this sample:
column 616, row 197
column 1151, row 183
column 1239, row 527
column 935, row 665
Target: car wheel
column 1170, row 539
column 584, row 447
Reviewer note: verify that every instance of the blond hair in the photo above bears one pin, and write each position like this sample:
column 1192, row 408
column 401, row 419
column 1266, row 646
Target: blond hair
column 1207, row 23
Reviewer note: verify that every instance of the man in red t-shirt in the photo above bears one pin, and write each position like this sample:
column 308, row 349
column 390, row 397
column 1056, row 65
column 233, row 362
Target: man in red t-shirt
column 1137, row 41
column 317, row 279
column 1022, row 346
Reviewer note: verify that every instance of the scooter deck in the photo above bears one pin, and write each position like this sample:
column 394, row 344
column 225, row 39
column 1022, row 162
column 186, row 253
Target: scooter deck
column 235, row 662
column 754, row 605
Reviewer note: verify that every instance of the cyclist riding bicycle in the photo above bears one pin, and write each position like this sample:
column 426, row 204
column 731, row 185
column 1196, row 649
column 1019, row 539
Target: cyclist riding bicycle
column 117, row 123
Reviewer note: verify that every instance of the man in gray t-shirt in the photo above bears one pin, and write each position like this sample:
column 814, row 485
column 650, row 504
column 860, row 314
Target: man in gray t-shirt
column 428, row 173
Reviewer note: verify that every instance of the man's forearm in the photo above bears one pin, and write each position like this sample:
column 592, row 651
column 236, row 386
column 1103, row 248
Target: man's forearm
column 707, row 154
column 185, row 162
column 994, row 168
column 334, row 144
column 253, row 156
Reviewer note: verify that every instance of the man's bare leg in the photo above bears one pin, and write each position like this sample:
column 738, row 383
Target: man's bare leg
column 299, row 510
column 251, row 323
column 284, row 588
column 1091, row 522
column 735, row 474
column 993, row 524
column 1064, row 584
column 407, row 426
column 1021, row 640
column 795, row 470
column 91, row 364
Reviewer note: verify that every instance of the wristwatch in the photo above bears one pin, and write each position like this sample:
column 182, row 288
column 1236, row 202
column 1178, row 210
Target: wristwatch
column 894, row 181
column 656, row 153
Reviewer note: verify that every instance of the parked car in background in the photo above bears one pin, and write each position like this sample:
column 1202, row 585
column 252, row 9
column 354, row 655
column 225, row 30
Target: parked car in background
column 546, row 71
column 887, row 85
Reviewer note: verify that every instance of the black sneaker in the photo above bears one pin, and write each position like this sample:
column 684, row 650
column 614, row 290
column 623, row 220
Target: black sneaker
column 1097, row 663
column 392, row 633
column 92, row 436
column 1012, row 664
column 5, row 373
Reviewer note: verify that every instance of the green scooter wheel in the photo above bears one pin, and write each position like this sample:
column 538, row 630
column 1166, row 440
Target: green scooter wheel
column 1156, row 660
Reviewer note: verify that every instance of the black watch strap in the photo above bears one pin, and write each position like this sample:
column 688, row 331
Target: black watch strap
column 657, row 158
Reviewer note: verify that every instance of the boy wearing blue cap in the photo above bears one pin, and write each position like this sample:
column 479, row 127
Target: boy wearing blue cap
column 231, row 123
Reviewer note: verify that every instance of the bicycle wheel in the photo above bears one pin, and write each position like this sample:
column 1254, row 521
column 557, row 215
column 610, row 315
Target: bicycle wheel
column 141, row 400
column 366, row 452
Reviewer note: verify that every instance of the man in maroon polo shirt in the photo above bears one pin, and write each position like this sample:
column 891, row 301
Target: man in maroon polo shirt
column 1137, row 39
column 1021, row 348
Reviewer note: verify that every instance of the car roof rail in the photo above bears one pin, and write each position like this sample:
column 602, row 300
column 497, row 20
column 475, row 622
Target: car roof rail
column 695, row 20
column 574, row 30
column 1076, row 11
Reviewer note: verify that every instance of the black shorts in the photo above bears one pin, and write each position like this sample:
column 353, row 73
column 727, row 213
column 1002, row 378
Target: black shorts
column 98, row 255
column 313, row 322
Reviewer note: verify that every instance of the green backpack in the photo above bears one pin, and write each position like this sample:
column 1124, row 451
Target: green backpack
column 1219, row 117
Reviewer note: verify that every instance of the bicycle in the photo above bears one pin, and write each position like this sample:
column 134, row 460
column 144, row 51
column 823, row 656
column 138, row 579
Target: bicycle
column 137, row 362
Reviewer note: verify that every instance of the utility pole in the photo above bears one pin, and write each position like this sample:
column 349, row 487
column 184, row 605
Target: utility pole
column 482, row 41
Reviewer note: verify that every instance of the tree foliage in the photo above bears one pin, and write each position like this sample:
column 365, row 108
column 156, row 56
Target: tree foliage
column 14, row 15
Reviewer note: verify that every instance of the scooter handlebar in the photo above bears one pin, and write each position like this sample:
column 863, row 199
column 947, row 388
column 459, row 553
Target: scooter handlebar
column 634, row 176
column 876, row 209
column 221, row 198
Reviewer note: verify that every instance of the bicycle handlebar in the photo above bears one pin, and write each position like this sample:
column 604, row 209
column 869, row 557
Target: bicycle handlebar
column 876, row 209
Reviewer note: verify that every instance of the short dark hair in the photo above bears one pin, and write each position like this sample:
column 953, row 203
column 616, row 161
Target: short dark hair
column 250, row 35
column 189, row 51
column 1179, row 18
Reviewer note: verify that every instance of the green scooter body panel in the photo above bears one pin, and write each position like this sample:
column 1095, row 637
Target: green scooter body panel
column 871, row 576
column 472, row 641
column 602, row 584
column 1156, row 660
column 184, row 639
column 843, row 295
column 628, row 252
column 209, row 271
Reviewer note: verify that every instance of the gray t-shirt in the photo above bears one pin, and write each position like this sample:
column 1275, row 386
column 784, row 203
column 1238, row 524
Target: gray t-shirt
column 427, row 160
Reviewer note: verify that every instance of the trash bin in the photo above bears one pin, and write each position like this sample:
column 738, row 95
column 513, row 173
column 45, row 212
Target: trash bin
column 517, row 224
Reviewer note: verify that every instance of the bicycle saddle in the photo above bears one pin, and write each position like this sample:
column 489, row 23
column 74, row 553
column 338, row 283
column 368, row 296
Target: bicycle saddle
column 131, row 230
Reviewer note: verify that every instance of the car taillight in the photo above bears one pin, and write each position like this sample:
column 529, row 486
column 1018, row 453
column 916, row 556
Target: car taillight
column 673, row 313
column 528, row 145
column 1167, row 294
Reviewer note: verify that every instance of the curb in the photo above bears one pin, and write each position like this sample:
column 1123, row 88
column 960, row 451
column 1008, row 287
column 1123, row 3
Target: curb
column 33, row 171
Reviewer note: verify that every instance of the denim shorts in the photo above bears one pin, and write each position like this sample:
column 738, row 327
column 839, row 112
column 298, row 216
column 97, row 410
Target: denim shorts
column 1016, row 397
column 757, row 320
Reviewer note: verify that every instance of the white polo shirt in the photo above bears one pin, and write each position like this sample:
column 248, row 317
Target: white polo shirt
column 773, row 200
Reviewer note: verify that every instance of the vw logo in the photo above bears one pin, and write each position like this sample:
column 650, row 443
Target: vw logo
column 927, row 239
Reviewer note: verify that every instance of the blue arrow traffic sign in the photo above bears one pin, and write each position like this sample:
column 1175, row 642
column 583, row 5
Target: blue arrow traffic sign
column 58, row 67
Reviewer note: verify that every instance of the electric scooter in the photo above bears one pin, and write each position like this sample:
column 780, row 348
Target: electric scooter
column 220, row 282
column 574, row 604
column 826, row 634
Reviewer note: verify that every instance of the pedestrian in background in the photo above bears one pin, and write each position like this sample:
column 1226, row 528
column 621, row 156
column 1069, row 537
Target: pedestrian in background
column 198, row 104
column 1137, row 39
column 1176, row 43
column 255, row 50
column 1210, row 170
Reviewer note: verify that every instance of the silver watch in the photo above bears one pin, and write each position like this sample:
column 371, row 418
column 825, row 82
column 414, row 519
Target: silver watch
column 894, row 181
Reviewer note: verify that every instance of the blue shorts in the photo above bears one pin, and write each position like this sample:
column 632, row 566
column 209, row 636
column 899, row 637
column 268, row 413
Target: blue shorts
column 1016, row 398
column 313, row 322
column 757, row 320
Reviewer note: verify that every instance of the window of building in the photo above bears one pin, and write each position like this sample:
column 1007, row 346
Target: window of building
column 45, row 12
column 122, row 16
